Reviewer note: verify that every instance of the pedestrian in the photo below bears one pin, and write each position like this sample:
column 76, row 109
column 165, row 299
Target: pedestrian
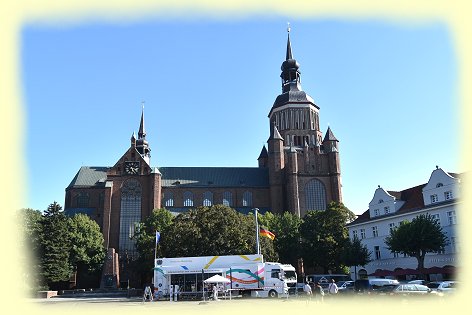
column 319, row 292
column 333, row 288
column 307, row 290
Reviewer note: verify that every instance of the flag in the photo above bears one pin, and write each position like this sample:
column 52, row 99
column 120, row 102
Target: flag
column 265, row 232
column 158, row 237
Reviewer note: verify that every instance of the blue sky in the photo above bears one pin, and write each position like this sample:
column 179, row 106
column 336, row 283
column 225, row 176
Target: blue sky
column 388, row 90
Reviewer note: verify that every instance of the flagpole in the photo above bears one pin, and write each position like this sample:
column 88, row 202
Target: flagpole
column 258, row 248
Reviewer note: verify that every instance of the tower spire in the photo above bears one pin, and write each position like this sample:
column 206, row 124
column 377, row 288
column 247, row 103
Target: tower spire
column 289, row 46
column 142, row 132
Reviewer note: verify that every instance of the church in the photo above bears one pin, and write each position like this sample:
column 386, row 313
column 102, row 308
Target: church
column 299, row 170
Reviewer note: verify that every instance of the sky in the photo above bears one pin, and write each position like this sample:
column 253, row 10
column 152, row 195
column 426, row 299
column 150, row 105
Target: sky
column 387, row 89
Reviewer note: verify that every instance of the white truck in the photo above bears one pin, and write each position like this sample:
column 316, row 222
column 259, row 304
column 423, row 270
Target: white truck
column 247, row 274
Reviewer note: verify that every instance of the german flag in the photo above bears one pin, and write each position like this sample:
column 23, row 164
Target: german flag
column 266, row 232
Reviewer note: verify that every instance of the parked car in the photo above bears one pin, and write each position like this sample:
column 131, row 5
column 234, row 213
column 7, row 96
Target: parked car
column 443, row 286
column 346, row 287
column 423, row 282
column 411, row 289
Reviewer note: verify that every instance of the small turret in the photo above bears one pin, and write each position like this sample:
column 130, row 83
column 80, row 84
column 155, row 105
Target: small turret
column 263, row 157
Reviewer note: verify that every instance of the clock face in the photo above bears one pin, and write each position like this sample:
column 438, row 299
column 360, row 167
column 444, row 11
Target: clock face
column 132, row 168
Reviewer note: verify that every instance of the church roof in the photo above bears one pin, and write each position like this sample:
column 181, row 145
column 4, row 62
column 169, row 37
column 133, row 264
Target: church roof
column 93, row 176
column 214, row 177
column 90, row 176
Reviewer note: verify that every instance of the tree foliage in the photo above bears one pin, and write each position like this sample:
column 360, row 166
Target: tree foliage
column 55, row 246
column 86, row 240
column 422, row 235
column 286, row 227
column 355, row 253
column 324, row 235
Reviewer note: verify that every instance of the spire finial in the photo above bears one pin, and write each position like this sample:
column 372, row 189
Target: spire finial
column 289, row 46
column 288, row 27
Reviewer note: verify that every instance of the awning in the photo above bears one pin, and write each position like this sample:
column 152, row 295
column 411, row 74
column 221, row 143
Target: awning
column 382, row 273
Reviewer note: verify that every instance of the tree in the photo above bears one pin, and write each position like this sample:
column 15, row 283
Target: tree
column 324, row 235
column 54, row 251
column 216, row 230
column 86, row 251
column 286, row 227
column 30, row 231
column 422, row 235
column 355, row 253
column 160, row 220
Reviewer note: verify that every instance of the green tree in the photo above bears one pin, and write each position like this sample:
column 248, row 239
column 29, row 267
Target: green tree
column 160, row 220
column 54, row 251
column 355, row 253
column 215, row 230
column 324, row 235
column 30, row 233
column 86, row 251
column 422, row 235
column 286, row 227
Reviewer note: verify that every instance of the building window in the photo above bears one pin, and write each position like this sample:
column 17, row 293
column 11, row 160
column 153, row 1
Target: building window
column 362, row 233
column 451, row 217
column 434, row 198
column 83, row 200
column 354, row 234
column 454, row 246
column 315, row 195
column 228, row 199
column 381, row 201
column 377, row 252
column 247, row 199
column 375, row 231
column 448, row 195
column 130, row 216
column 207, row 199
column 188, row 199
column 439, row 185
column 395, row 255
column 436, row 217
column 376, row 212
column 391, row 226
column 387, row 210
column 168, row 199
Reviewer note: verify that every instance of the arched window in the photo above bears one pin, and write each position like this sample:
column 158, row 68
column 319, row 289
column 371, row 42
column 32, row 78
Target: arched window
column 168, row 199
column 315, row 195
column 83, row 200
column 188, row 199
column 247, row 199
column 439, row 185
column 207, row 199
column 130, row 215
column 228, row 199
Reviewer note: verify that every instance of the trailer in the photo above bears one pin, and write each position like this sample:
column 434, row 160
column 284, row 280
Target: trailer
column 247, row 275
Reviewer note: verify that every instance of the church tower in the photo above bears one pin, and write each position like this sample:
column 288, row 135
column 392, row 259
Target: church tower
column 307, row 166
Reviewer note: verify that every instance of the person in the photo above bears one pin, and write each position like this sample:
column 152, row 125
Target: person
column 307, row 290
column 333, row 287
column 215, row 292
column 319, row 292
column 147, row 294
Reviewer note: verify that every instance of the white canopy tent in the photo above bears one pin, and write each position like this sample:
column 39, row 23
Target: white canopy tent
column 217, row 279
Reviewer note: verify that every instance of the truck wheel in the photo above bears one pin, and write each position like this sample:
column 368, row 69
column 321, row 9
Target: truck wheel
column 273, row 294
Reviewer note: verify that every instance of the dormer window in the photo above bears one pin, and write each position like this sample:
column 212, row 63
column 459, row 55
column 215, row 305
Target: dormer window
column 439, row 185
column 376, row 212
column 434, row 198
column 448, row 195
column 387, row 210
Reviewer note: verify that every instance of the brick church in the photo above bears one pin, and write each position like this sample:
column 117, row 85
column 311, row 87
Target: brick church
column 298, row 171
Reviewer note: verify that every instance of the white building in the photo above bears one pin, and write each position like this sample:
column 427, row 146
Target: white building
column 439, row 197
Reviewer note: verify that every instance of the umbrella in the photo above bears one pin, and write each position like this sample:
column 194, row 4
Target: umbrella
column 217, row 279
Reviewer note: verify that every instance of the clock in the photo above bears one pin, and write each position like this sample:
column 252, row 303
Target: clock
column 132, row 168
